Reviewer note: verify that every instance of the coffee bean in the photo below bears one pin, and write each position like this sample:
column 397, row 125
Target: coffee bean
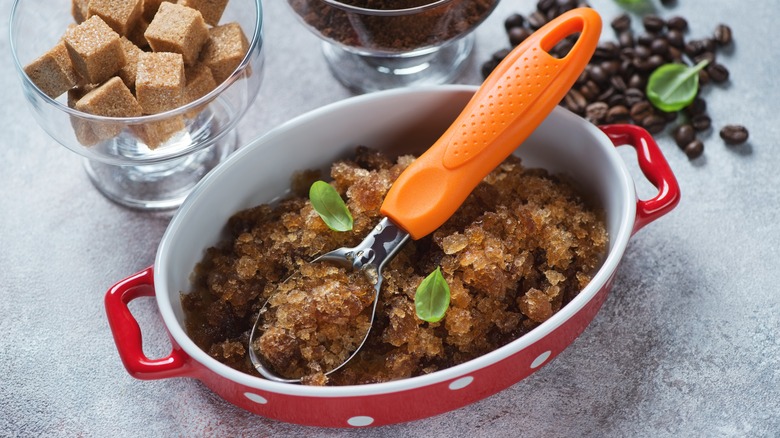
column 653, row 23
column 668, row 2
column 718, row 73
column 611, row 68
column 697, row 107
column 598, row 75
column 653, row 124
column 626, row 39
column 514, row 20
column 734, row 134
column 722, row 35
column 499, row 55
column 694, row 47
column 488, row 67
column 659, row 46
column 617, row 114
column 621, row 23
column 683, row 135
column 536, row 20
column 575, row 102
column 634, row 95
column 694, row 149
column 617, row 99
column 677, row 23
column 701, row 122
column 596, row 112
column 517, row 35
column 675, row 38
column 617, row 83
column 590, row 90
column 706, row 56
column 608, row 50
column 545, row 5
column 704, row 78
column 646, row 39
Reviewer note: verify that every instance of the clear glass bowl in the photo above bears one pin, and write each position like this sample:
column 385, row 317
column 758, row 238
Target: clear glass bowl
column 123, row 167
column 370, row 47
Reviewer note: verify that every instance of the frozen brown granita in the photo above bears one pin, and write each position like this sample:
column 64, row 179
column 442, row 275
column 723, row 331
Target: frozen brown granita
column 522, row 245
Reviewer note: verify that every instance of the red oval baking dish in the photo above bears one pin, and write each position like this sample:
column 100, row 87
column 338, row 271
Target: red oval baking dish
column 398, row 121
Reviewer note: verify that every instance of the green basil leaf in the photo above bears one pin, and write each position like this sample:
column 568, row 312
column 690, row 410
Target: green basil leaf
column 328, row 204
column 672, row 87
column 432, row 298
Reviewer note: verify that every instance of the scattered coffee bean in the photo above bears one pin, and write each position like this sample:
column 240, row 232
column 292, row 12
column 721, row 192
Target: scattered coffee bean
column 722, row 35
column 653, row 23
column 537, row 20
column 734, row 134
column 683, row 135
column 653, row 124
column 718, row 73
column 514, row 20
column 611, row 89
column 677, row 23
column 596, row 112
column 694, row 149
column 701, row 122
column 698, row 106
column 621, row 23
column 618, row 114
column 517, row 35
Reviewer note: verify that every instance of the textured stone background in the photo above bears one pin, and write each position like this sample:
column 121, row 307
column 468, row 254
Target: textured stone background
column 686, row 344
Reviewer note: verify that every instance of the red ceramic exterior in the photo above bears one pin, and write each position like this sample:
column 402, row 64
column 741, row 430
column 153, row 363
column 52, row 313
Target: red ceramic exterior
column 413, row 403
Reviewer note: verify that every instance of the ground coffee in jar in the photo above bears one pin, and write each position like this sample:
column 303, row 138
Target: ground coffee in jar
column 412, row 25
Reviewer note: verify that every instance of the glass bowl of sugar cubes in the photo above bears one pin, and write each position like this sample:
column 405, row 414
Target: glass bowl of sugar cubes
column 148, row 91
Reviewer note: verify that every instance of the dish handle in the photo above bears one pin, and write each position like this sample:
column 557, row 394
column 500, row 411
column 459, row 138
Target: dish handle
column 127, row 332
column 655, row 168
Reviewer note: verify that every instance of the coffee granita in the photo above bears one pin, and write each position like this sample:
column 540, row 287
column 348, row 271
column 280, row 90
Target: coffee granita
column 523, row 244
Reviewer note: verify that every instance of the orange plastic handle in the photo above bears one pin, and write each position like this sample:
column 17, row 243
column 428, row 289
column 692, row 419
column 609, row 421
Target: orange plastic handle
column 506, row 109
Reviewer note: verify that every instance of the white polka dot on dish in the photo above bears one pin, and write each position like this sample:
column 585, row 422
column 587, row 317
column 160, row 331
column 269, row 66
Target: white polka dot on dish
column 360, row 421
column 541, row 359
column 461, row 383
column 256, row 398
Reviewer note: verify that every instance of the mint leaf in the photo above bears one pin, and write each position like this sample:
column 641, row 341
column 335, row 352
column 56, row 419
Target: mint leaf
column 672, row 87
column 432, row 298
column 328, row 204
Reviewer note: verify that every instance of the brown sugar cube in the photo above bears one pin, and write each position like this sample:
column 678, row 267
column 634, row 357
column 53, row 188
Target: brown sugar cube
column 200, row 82
column 80, row 10
column 82, row 128
column 128, row 72
column 136, row 34
column 178, row 29
column 110, row 99
column 153, row 134
column 226, row 47
column 95, row 50
column 53, row 72
column 159, row 83
column 150, row 8
column 210, row 9
column 121, row 15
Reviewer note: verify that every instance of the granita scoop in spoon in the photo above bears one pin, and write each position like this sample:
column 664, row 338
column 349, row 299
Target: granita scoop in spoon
column 327, row 304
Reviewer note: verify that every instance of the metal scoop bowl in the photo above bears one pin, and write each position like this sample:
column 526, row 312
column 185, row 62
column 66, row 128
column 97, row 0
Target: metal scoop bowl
column 504, row 111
